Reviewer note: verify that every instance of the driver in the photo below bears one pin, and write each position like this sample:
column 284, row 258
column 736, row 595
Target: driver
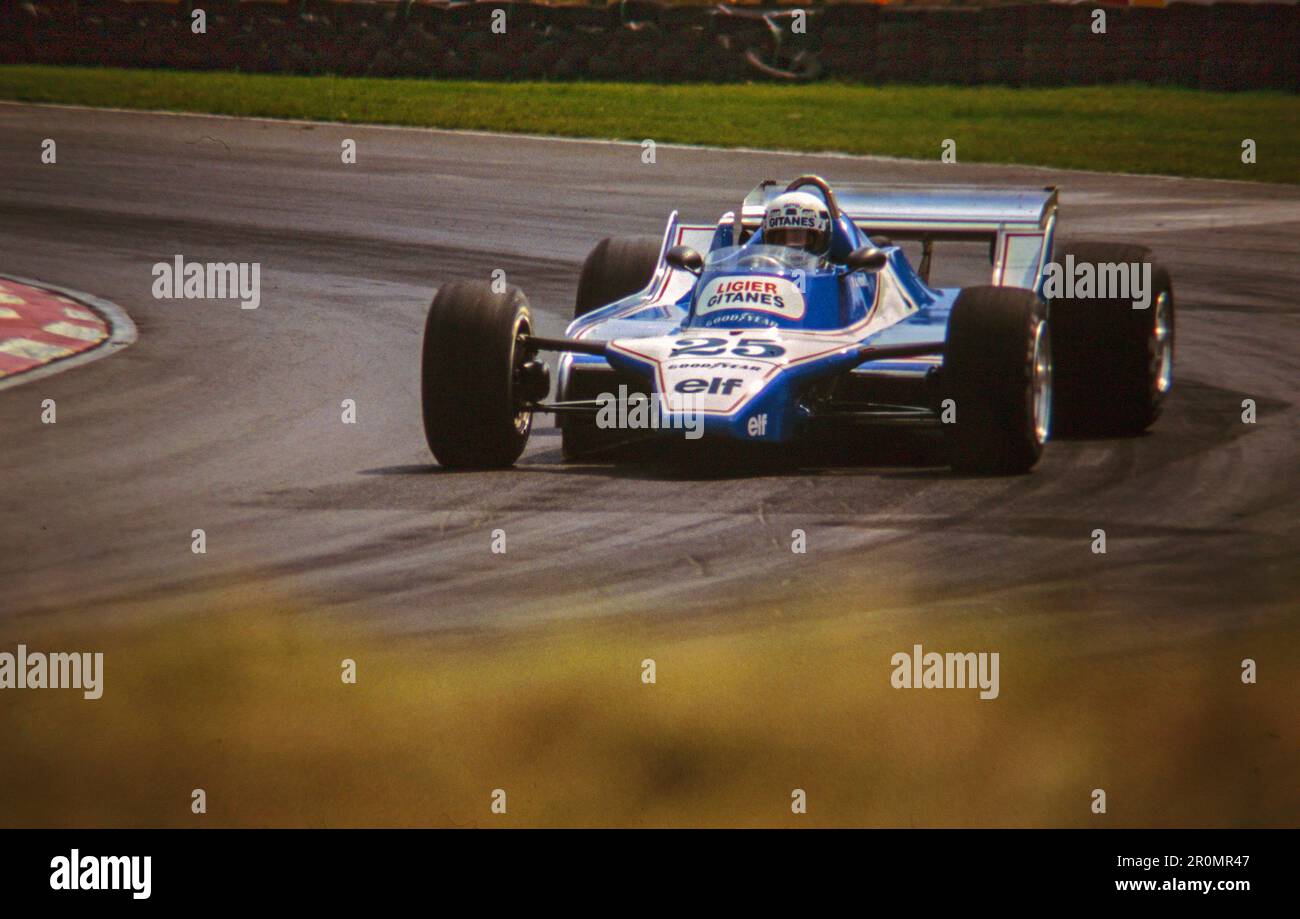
column 799, row 220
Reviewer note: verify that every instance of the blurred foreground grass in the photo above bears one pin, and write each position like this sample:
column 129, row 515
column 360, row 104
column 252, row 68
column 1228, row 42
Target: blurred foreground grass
column 1143, row 129
column 243, row 698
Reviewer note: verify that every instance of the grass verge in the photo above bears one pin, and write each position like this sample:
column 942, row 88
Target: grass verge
column 242, row 697
column 1107, row 128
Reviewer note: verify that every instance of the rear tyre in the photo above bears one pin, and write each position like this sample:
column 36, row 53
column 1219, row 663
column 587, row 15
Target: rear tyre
column 617, row 267
column 1114, row 364
column 468, row 376
column 997, row 370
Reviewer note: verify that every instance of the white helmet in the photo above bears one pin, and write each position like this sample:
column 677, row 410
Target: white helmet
column 798, row 219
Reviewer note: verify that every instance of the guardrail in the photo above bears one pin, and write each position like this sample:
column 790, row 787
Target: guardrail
column 1226, row 46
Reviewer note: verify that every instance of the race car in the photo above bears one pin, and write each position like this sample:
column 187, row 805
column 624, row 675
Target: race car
column 797, row 313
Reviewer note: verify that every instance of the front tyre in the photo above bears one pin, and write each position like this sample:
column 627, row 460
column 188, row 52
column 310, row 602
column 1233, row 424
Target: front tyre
column 469, row 376
column 997, row 370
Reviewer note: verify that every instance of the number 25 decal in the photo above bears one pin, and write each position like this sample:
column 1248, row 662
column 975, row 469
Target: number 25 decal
column 712, row 347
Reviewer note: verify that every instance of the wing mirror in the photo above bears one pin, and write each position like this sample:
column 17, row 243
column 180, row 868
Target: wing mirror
column 686, row 259
column 868, row 258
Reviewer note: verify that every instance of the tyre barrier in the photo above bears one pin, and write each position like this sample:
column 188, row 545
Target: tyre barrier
column 1223, row 46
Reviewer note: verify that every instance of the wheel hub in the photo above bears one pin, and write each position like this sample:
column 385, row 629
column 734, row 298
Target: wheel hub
column 519, row 379
column 1162, row 344
column 1042, row 383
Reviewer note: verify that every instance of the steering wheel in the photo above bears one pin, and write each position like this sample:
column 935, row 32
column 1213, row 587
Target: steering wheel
column 760, row 261
column 821, row 185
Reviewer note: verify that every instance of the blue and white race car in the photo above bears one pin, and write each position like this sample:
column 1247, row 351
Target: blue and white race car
column 797, row 313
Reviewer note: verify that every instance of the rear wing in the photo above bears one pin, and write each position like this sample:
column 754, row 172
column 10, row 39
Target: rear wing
column 1017, row 223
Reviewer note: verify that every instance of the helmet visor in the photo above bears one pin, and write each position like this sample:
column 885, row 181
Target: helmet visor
column 795, row 238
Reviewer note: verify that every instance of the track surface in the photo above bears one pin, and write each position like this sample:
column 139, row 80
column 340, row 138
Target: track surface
column 229, row 420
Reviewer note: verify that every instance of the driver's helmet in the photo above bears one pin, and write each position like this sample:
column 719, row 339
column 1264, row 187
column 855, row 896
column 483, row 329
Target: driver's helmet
column 800, row 220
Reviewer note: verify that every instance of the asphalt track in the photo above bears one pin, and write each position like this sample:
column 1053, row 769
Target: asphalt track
column 229, row 420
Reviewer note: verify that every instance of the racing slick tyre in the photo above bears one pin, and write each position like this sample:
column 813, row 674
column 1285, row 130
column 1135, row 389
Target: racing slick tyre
column 469, row 376
column 618, row 266
column 997, row 370
column 1114, row 364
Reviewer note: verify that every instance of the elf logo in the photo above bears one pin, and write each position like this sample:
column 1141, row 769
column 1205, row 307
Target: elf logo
column 713, row 387
column 757, row 426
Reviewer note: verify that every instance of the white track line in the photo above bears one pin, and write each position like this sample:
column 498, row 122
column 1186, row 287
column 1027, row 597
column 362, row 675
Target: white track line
column 503, row 135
